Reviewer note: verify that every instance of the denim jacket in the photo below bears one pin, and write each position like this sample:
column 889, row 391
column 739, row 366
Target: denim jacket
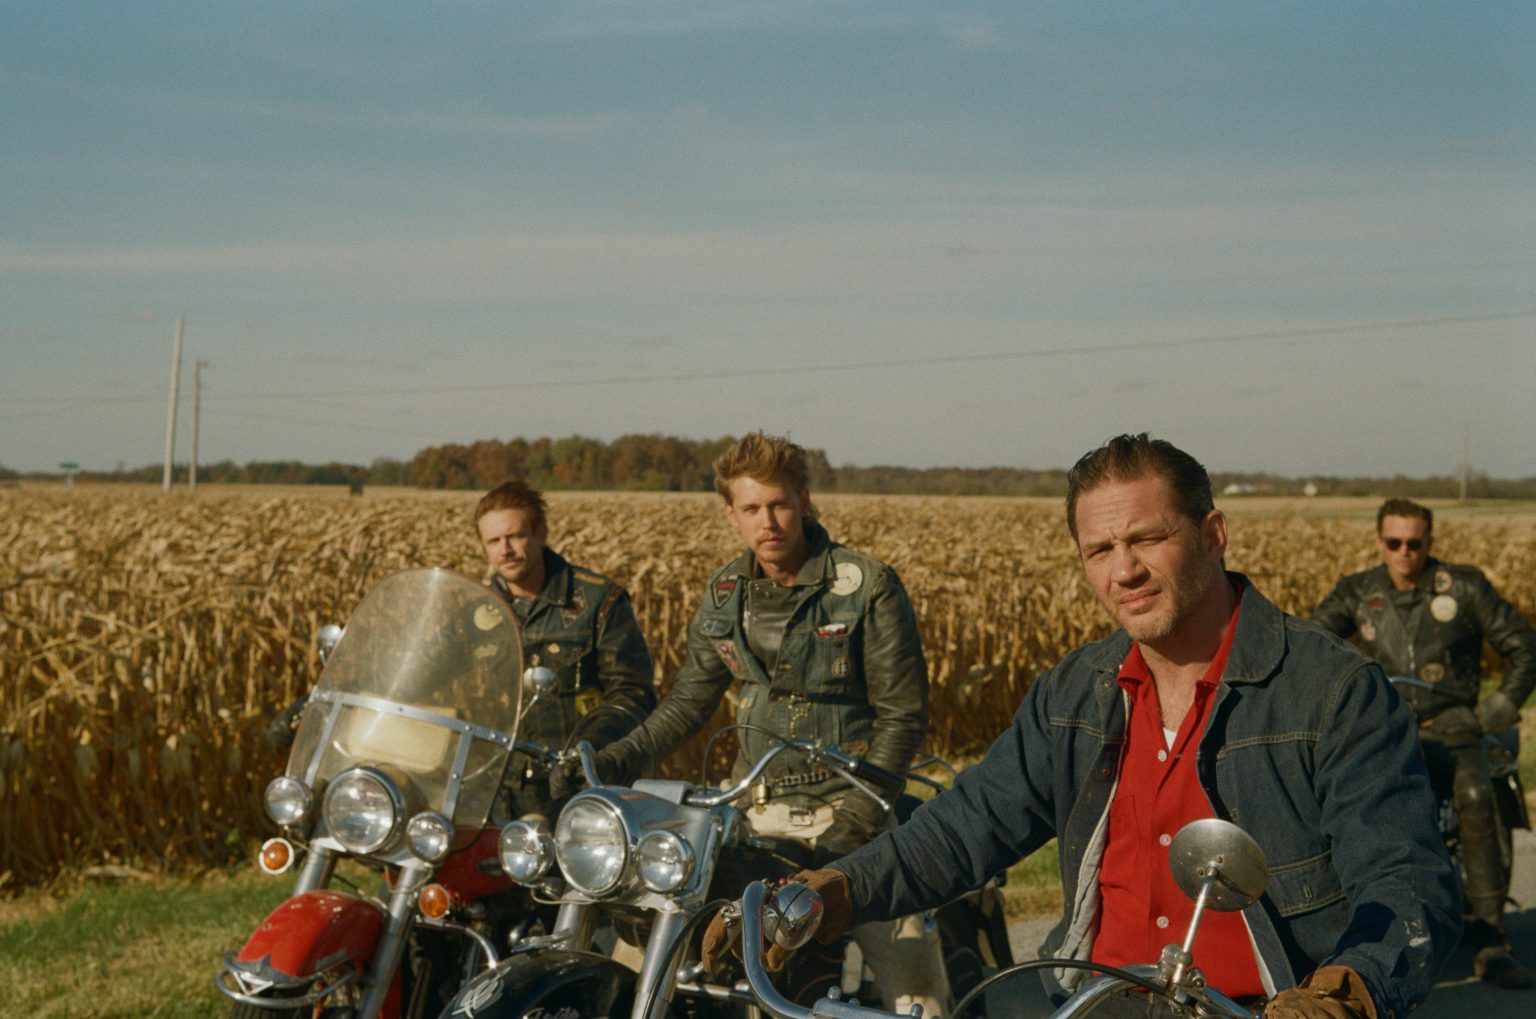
column 1307, row 747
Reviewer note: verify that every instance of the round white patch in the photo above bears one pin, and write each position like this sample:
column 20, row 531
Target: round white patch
column 486, row 617
column 849, row 579
column 1443, row 608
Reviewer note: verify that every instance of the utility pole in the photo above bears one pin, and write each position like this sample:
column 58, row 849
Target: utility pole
column 197, row 416
column 170, row 414
column 1466, row 457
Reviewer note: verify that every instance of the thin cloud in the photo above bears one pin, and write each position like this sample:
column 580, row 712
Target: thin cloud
column 465, row 122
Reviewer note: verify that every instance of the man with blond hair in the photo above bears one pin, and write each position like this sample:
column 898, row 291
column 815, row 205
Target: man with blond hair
column 1426, row 620
column 576, row 623
column 824, row 644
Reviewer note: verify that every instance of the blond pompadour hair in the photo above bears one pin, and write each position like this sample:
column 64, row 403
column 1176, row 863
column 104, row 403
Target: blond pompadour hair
column 764, row 458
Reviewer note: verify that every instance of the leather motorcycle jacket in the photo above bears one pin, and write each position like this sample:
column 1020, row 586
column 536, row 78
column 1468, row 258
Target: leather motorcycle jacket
column 1435, row 631
column 836, row 657
column 583, row 628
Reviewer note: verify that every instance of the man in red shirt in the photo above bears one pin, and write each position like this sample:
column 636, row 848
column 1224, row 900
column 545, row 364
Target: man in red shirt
column 1208, row 701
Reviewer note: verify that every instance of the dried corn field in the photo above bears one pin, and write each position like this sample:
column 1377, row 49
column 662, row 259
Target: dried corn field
column 146, row 640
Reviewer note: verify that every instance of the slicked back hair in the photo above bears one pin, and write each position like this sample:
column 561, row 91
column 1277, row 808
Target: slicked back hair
column 1132, row 457
column 1406, row 508
column 513, row 494
column 766, row 459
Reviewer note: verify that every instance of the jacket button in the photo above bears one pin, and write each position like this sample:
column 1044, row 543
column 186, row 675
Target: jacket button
column 1108, row 772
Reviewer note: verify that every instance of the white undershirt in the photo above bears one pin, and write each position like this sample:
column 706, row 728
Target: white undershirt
column 1169, row 735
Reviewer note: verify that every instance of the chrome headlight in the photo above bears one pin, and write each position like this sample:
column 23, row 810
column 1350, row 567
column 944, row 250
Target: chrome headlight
column 591, row 845
column 429, row 835
column 362, row 810
column 287, row 801
column 664, row 861
column 526, row 851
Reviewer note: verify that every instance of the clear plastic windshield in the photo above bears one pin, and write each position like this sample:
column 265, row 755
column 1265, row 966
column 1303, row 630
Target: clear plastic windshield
column 425, row 685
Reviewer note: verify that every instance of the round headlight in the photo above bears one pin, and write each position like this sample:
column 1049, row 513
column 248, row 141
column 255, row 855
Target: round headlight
column 362, row 810
column 664, row 861
column 525, row 851
column 429, row 836
column 591, row 845
column 287, row 801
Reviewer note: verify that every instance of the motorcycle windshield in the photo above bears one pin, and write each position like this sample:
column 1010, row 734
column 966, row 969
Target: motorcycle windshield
column 425, row 685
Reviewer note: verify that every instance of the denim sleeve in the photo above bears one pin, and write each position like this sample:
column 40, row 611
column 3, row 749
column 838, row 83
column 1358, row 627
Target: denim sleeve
column 1379, row 815
column 998, row 811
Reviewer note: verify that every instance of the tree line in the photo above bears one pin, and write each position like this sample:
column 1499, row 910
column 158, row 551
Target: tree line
column 666, row 463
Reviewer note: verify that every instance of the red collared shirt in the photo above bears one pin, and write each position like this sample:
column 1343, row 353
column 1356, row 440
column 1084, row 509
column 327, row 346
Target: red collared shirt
column 1141, row 908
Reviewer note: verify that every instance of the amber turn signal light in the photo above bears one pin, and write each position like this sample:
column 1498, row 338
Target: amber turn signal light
column 276, row 856
column 435, row 901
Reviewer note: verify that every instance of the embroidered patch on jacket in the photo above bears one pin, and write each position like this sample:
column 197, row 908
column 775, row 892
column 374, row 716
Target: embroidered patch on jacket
column 832, row 630
column 578, row 604
column 1443, row 581
column 842, row 667
column 1375, row 603
column 722, row 590
column 1434, row 672
column 849, row 579
column 727, row 652
column 1443, row 607
column 1367, row 630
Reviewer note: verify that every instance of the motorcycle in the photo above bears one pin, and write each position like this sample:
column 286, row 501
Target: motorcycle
column 655, row 861
column 397, row 760
column 1502, row 750
column 1214, row 862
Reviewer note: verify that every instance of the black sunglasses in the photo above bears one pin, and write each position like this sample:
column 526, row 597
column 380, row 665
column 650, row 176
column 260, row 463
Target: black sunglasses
column 1393, row 544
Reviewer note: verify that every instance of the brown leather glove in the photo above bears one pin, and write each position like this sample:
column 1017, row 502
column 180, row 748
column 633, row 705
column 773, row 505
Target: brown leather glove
column 1333, row 992
column 837, row 913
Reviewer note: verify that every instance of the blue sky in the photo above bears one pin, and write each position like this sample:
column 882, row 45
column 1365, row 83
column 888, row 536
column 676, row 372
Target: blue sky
column 1297, row 237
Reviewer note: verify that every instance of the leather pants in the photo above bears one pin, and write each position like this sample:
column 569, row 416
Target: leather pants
column 1458, row 766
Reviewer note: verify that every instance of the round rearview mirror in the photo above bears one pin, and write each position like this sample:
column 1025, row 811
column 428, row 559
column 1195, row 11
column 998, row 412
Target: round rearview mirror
column 327, row 639
column 792, row 916
column 1224, row 854
column 540, row 680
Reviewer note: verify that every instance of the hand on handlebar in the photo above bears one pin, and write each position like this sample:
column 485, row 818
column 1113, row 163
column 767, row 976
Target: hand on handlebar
column 837, row 903
column 1333, row 992
column 566, row 778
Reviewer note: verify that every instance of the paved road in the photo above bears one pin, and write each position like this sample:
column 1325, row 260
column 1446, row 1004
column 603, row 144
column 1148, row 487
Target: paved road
column 1457, row 993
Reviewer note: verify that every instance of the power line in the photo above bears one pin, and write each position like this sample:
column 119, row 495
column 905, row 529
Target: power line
column 1130, row 346
column 821, row 367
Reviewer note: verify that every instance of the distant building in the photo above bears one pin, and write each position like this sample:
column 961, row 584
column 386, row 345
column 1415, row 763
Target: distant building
column 1234, row 488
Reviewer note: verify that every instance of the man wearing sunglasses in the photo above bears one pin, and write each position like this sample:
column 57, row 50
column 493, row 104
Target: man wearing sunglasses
column 1425, row 619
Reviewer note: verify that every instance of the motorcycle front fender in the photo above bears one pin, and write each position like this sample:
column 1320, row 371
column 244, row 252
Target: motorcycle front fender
column 309, row 934
column 546, row 985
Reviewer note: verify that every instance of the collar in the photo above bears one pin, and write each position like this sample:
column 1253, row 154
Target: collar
column 1257, row 645
column 818, row 567
column 1425, row 583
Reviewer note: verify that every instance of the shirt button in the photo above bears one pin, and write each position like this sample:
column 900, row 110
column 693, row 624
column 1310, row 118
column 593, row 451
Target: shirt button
column 1165, row 840
column 1162, row 922
column 1162, row 755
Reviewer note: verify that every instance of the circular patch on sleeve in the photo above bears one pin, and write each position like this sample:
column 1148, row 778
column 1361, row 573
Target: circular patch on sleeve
column 487, row 617
column 1434, row 672
column 1443, row 581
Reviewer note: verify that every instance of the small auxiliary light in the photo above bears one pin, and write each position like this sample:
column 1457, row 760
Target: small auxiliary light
column 276, row 856
column 434, row 901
